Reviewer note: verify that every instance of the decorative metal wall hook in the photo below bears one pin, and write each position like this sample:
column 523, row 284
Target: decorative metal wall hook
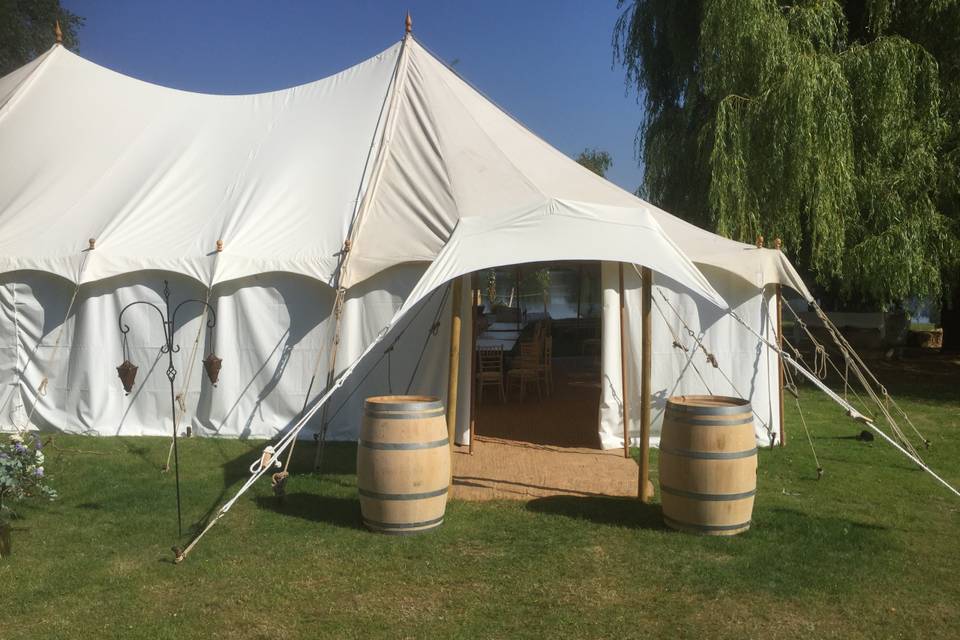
column 128, row 371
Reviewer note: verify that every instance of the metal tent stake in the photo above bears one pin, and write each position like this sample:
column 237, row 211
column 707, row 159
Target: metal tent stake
column 128, row 371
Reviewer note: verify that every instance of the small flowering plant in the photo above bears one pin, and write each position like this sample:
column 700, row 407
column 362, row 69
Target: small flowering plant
column 21, row 474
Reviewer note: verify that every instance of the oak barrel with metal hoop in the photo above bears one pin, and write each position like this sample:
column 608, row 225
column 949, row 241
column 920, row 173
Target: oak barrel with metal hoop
column 403, row 464
column 708, row 464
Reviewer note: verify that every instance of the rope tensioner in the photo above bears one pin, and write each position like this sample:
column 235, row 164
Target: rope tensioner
column 92, row 242
column 266, row 458
column 219, row 246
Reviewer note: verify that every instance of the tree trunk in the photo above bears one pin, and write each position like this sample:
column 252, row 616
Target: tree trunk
column 950, row 315
column 6, row 544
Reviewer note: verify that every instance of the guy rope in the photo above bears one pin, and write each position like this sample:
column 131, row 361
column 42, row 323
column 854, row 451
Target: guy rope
column 854, row 363
column 710, row 357
column 270, row 458
column 849, row 409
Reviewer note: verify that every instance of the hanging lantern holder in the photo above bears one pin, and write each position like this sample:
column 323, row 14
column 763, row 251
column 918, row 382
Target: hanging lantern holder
column 128, row 371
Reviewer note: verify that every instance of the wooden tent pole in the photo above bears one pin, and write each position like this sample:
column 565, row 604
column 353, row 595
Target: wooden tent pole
column 783, row 433
column 474, row 305
column 579, row 296
column 517, row 279
column 778, row 245
column 646, row 488
column 624, row 386
column 454, row 371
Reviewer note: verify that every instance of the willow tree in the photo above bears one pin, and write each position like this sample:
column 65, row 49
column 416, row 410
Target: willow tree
column 597, row 160
column 817, row 121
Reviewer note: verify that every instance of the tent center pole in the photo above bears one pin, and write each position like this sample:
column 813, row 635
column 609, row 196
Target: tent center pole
column 454, row 370
column 646, row 487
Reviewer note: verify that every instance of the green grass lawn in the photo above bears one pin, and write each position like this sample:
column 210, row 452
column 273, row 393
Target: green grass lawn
column 869, row 551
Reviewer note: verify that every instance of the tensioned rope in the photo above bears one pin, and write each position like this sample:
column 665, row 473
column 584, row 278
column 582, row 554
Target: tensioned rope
column 386, row 354
column 271, row 455
column 862, row 370
column 851, row 360
column 850, row 409
column 712, row 359
column 279, row 480
column 678, row 345
column 803, row 421
column 829, row 361
column 375, row 160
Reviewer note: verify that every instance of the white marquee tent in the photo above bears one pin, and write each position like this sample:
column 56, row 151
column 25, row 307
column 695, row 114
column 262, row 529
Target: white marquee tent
column 336, row 205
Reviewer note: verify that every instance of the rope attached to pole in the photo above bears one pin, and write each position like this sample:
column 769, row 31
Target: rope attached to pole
column 711, row 358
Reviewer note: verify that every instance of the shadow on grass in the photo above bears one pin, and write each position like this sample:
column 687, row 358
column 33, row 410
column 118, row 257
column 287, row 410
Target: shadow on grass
column 340, row 512
column 623, row 512
column 787, row 550
column 340, row 458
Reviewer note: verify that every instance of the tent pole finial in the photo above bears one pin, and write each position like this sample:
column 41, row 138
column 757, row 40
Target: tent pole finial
column 778, row 244
column 408, row 24
column 759, row 242
column 58, row 32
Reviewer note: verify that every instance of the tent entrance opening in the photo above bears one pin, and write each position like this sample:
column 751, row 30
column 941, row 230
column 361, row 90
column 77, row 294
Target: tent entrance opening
column 538, row 353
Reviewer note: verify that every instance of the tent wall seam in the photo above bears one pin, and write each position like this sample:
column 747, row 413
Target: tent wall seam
column 362, row 206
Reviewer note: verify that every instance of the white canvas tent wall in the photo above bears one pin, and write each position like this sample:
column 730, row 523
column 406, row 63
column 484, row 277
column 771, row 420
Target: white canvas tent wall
column 355, row 182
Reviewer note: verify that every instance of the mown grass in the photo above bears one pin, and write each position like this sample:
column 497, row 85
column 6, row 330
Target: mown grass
column 869, row 551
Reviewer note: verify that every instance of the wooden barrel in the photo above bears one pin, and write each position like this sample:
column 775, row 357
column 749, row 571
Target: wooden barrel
column 403, row 464
column 708, row 464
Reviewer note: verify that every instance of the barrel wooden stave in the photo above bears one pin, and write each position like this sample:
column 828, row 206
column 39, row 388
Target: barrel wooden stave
column 708, row 465
column 403, row 464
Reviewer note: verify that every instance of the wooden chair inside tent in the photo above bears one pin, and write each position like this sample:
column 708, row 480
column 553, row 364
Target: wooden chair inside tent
column 490, row 371
column 545, row 368
column 526, row 369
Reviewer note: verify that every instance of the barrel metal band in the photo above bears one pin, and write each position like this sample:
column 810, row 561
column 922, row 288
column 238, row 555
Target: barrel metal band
column 403, row 496
column 707, row 497
column 402, row 525
column 736, row 405
column 710, row 455
column 423, row 405
column 705, row 421
column 404, row 446
column 404, row 415
column 707, row 527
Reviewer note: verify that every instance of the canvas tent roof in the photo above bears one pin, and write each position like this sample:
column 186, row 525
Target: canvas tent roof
column 389, row 155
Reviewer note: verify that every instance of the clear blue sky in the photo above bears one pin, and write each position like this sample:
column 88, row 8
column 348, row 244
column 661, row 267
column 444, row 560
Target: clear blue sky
column 549, row 63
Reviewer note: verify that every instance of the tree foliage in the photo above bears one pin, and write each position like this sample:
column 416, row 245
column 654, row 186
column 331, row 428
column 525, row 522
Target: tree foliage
column 27, row 30
column 596, row 160
column 830, row 124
